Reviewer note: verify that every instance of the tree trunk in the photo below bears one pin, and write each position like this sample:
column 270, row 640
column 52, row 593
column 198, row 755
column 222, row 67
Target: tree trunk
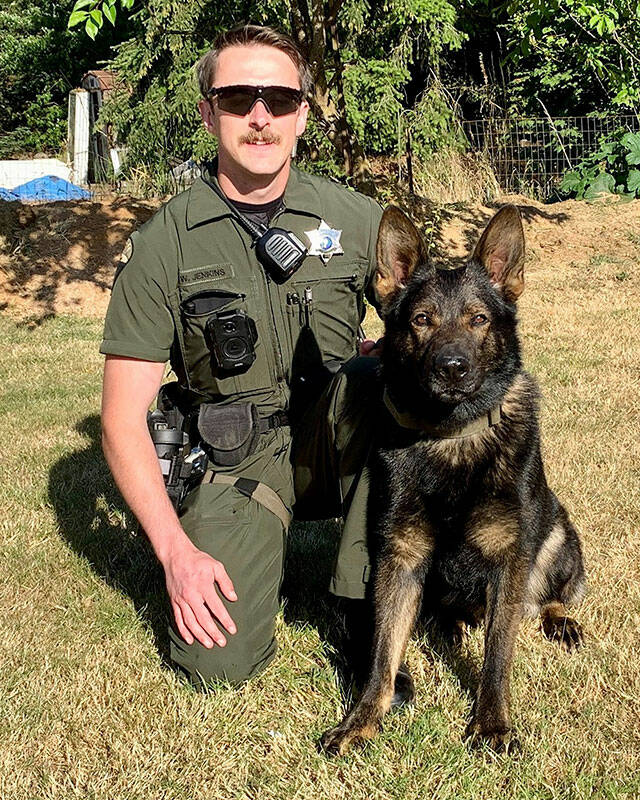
column 310, row 26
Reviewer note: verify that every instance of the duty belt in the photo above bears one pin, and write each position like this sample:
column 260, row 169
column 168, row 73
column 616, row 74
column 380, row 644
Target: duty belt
column 278, row 420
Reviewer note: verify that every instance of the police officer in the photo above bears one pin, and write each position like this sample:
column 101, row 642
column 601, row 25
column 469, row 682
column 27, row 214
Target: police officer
column 276, row 436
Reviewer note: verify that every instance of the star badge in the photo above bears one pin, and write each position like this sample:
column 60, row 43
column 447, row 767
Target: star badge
column 324, row 241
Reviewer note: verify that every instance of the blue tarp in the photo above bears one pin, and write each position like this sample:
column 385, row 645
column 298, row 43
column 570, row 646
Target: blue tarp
column 49, row 188
column 5, row 194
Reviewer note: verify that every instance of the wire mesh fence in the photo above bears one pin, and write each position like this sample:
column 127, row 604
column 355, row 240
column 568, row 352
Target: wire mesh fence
column 527, row 154
column 533, row 153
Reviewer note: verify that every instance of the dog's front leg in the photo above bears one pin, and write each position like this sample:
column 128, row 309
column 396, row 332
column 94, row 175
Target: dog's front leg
column 491, row 721
column 398, row 586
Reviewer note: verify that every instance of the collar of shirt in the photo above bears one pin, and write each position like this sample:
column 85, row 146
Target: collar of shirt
column 300, row 196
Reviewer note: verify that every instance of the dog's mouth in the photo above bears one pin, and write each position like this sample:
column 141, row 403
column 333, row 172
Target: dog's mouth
column 452, row 393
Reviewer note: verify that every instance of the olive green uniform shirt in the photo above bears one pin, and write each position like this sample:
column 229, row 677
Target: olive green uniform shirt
column 193, row 245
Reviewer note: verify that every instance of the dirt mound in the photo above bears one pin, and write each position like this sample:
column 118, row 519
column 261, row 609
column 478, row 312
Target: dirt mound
column 572, row 232
column 61, row 257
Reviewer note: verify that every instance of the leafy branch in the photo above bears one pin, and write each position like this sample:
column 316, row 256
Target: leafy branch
column 93, row 13
column 612, row 170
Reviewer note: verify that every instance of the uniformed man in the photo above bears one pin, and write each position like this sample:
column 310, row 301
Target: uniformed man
column 241, row 339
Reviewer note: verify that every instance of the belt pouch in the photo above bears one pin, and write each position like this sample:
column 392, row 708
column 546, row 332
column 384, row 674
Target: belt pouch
column 230, row 433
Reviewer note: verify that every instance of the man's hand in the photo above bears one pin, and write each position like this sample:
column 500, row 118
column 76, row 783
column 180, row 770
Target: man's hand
column 191, row 579
column 368, row 347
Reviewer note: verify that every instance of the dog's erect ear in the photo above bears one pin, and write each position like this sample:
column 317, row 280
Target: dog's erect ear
column 399, row 250
column 501, row 252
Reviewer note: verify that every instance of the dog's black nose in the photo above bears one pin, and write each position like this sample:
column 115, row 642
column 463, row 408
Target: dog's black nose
column 453, row 367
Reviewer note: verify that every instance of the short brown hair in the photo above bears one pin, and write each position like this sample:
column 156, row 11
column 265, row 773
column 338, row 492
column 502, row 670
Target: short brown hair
column 256, row 35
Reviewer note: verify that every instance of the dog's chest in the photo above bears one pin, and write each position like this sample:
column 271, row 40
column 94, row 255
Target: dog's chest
column 460, row 503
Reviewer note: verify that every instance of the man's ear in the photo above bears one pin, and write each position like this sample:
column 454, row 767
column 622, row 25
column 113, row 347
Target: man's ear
column 501, row 252
column 301, row 119
column 399, row 251
column 208, row 116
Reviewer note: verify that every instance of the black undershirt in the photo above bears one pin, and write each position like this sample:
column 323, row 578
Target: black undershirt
column 262, row 213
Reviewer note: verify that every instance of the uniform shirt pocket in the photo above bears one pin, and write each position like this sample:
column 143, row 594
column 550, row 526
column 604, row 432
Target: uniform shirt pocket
column 209, row 331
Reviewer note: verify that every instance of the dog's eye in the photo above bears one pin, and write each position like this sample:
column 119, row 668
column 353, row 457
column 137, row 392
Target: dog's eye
column 479, row 319
column 421, row 319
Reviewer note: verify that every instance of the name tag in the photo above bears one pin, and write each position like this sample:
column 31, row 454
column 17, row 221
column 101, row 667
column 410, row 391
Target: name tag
column 209, row 272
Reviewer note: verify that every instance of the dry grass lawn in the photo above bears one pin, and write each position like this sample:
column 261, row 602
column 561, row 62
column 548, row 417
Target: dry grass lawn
column 90, row 709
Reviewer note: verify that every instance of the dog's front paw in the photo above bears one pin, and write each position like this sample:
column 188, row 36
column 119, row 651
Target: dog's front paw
column 336, row 741
column 498, row 737
column 566, row 631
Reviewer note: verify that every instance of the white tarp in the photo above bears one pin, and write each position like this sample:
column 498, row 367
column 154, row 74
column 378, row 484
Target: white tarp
column 15, row 173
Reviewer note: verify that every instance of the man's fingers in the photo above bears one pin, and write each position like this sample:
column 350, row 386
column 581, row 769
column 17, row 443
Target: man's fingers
column 366, row 345
column 206, row 621
column 216, row 606
column 182, row 628
column 224, row 582
column 193, row 624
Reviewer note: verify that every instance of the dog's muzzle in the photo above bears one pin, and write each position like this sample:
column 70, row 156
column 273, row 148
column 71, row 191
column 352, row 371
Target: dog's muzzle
column 452, row 375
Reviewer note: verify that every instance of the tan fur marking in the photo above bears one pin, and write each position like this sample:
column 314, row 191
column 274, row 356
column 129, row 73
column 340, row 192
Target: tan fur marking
column 493, row 536
column 518, row 396
column 384, row 285
column 405, row 607
column 537, row 583
column 411, row 545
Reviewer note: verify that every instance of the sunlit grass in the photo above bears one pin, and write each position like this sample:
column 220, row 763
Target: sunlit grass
column 90, row 708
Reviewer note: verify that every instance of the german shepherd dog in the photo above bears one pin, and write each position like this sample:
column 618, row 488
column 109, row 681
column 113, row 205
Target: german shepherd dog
column 461, row 517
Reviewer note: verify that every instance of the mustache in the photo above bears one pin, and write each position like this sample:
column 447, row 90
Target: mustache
column 253, row 137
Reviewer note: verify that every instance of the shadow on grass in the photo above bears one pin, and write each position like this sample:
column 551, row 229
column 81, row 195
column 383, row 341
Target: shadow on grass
column 311, row 552
column 90, row 513
column 474, row 220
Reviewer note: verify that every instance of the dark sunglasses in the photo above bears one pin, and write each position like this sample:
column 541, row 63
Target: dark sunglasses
column 279, row 100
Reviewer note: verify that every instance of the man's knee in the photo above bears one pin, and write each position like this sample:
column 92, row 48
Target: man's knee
column 243, row 658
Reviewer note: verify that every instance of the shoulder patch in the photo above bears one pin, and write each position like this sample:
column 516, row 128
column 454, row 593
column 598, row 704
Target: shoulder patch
column 127, row 252
column 125, row 255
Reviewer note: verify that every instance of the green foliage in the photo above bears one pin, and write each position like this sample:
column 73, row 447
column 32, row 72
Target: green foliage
column 46, row 122
column 609, row 171
column 576, row 56
column 40, row 62
column 373, row 91
column 382, row 46
column 93, row 13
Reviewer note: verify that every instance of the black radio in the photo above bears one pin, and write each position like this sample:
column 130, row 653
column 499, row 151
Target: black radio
column 280, row 252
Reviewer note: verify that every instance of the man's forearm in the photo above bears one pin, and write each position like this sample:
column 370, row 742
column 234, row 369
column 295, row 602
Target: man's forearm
column 133, row 462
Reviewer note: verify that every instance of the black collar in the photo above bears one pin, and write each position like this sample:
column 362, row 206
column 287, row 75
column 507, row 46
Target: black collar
column 408, row 420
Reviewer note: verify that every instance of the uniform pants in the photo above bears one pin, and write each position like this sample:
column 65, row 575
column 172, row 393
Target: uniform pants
column 319, row 471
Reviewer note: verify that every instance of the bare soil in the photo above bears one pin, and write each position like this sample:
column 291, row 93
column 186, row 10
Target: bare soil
column 61, row 257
